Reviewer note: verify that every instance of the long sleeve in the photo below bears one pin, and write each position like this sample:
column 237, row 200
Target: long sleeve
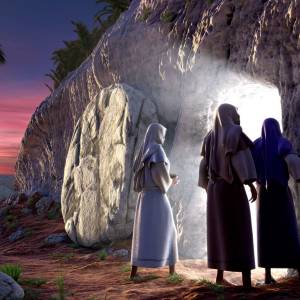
column 242, row 161
column 293, row 164
column 243, row 164
column 203, row 174
column 161, row 176
column 203, row 167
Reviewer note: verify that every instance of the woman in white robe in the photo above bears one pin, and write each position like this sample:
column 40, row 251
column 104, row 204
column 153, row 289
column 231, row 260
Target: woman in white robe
column 154, row 242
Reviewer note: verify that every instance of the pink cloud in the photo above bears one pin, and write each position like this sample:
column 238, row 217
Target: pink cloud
column 16, row 107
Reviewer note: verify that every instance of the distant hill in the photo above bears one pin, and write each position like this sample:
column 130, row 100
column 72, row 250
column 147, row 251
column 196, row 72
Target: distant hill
column 6, row 186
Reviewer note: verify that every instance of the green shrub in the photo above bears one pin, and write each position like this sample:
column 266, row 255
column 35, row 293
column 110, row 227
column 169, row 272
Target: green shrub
column 31, row 294
column 11, row 221
column 168, row 16
column 145, row 14
column 102, row 254
column 126, row 268
column 60, row 281
column 74, row 245
column 12, row 270
column 55, row 212
column 33, row 282
column 174, row 278
column 216, row 288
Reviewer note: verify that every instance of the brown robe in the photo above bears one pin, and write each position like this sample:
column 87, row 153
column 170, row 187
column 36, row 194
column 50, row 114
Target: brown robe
column 229, row 231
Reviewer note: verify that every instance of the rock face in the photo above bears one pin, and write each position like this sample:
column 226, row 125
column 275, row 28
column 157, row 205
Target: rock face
column 167, row 50
column 6, row 186
column 9, row 289
column 97, row 202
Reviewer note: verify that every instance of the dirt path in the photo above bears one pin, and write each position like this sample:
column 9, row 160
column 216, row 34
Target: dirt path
column 88, row 277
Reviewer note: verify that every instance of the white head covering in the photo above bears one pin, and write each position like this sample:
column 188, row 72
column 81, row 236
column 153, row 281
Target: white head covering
column 151, row 152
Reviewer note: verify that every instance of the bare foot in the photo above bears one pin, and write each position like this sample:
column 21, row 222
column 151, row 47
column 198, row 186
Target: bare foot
column 270, row 281
column 135, row 277
column 225, row 283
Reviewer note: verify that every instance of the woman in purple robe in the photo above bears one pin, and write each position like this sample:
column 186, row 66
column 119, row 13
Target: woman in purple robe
column 278, row 239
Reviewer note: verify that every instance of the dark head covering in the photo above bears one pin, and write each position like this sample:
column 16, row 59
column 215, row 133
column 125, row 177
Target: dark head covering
column 269, row 152
column 224, row 140
column 151, row 152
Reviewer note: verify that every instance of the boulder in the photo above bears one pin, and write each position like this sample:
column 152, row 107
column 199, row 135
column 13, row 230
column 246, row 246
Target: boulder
column 43, row 205
column 9, row 288
column 97, row 202
column 17, row 235
column 56, row 238
column 121, row 253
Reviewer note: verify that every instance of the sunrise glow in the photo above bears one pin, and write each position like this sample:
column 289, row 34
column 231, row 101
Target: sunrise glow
column 16, row 108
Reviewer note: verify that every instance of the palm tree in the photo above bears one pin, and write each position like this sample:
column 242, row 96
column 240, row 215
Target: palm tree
column 75, row 52
column 111, row 10
column 2, row 56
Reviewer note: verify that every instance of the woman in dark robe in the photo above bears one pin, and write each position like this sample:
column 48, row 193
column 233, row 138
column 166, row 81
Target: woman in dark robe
column 225, row 167
column 154, row 242
column 278, row 239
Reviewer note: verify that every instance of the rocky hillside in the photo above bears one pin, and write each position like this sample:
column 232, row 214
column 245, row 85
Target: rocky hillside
column 177, row 54
column 6, row 186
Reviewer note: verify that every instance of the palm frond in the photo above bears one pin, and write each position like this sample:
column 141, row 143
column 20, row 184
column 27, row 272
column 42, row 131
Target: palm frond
column 2, row 56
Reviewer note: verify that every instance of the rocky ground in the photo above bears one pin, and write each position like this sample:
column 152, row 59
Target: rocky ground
column 53, row 267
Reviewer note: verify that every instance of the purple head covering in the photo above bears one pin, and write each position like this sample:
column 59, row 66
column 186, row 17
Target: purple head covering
column 269, row 152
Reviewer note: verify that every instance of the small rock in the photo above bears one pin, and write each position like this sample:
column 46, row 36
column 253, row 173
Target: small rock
column 121, row 253
column 9, row 289
column 26, row 211
column 43, row 205
column 109, row 251
column 56, row 238
column 17, row 235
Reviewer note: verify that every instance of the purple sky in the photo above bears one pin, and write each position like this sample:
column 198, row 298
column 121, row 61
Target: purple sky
column 30, row 31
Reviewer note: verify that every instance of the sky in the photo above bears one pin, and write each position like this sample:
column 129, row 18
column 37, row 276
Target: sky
column 29, row 32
